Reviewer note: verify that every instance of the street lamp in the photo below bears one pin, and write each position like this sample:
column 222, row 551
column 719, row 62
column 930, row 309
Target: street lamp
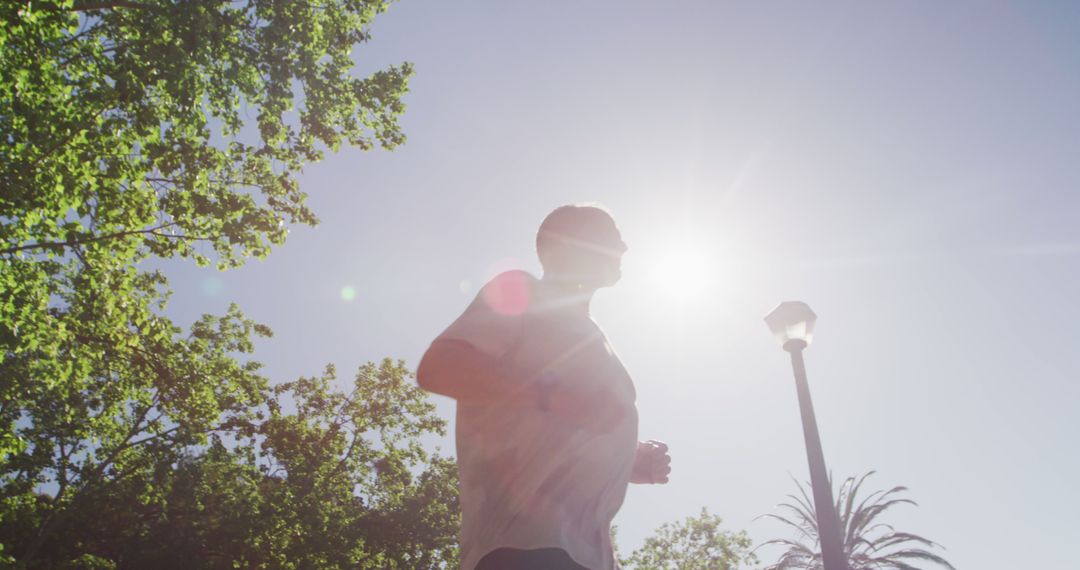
column 793, row 324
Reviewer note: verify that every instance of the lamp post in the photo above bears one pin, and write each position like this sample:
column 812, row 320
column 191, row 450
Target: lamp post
column 793, row 324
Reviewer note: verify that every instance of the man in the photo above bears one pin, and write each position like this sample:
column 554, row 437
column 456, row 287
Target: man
column 546, row 422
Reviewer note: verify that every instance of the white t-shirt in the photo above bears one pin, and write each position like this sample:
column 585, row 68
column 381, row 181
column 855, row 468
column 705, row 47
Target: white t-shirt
column 529, row 477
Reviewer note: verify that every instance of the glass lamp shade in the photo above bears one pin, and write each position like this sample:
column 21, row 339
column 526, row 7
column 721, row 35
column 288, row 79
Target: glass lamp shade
column 792, row 320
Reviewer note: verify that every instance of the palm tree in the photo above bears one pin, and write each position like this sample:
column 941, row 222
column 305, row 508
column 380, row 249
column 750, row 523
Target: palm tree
column 867, row 545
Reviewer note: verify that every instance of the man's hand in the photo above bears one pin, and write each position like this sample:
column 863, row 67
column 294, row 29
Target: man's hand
column 652, row 464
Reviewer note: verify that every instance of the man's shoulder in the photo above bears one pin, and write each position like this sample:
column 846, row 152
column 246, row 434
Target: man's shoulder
column 510, row 292
column 513, row 276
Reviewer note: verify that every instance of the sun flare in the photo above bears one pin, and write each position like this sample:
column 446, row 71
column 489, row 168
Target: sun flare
column 684, row 274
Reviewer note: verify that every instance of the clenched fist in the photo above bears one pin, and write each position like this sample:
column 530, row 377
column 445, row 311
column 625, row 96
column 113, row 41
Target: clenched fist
column 652, row 464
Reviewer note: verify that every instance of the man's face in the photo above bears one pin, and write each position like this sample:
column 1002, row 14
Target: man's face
column 595, row 259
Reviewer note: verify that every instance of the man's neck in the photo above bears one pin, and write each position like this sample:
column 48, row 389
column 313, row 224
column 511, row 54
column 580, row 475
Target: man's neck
column 567, row 294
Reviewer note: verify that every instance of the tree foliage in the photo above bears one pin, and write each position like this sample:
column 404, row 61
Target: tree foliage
column 313, row 477
column 127, row 119
column 127, row 409
column 138, row 129
column 868, row 544
column 695, row 543
column 156, row 128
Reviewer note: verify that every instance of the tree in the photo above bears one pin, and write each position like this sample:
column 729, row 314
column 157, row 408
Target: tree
column 127, row 135
column 868, row 544
column 696, row 543
column 127, row 121
column 150, row 128
column 318, row 478
column 348, row 467
column 127, row 409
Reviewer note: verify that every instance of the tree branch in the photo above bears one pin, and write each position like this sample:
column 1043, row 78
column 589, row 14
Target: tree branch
column 72, row 243
column 109, row 6
column 56, row 516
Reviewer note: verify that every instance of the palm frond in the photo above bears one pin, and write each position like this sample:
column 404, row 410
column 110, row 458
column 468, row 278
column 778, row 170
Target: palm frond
column 897, row 538
column 803, row 531
column 868, row 544
column 917, row 554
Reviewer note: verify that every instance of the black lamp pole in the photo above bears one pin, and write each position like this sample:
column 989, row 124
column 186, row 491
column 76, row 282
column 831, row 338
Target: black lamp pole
column 828, row 521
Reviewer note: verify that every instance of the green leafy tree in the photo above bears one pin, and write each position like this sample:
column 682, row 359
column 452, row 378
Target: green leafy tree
column 132, row 409
column 348, row 465
column 868, row 544
column 136, row 129
column 157, row 128
column 695, row 543
column 318, row 478
column 128, row 122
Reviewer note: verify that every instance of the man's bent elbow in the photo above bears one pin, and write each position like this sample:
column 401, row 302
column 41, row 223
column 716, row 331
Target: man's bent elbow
column 433, row 371
column 425, row 375
column 456, row 369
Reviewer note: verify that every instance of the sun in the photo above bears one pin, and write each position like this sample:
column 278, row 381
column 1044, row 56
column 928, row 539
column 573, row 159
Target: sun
column 684, row 273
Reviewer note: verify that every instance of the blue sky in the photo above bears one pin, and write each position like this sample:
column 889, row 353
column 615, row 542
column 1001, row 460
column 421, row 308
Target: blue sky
column 908, row 169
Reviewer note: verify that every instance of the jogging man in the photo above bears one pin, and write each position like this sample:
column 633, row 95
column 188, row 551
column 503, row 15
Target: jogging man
column 546, row 422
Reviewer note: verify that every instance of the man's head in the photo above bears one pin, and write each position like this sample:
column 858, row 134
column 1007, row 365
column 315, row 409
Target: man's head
column 581, row 244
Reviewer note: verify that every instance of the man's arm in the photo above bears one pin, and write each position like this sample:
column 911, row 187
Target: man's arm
column 455, row 368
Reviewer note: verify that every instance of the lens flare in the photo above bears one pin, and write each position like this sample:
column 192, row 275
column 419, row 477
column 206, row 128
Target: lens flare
column 684, row 275
column 508, row 293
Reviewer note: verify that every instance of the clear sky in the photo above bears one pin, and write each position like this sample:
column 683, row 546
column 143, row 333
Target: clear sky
column 909, row 169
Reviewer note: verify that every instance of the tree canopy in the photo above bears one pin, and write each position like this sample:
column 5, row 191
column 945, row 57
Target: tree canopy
column 695, row 543
column 312, row 477
column 129, row 134
column 133, row 120
column 137, row 129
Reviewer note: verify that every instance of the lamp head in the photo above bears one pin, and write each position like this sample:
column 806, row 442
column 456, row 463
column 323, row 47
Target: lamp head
column 793, row 324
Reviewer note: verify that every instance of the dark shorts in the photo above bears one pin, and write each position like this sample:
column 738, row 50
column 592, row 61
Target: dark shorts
column 538, row 559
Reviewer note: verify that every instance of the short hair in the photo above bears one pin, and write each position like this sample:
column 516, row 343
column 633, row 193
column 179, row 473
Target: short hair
column 572, row 222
